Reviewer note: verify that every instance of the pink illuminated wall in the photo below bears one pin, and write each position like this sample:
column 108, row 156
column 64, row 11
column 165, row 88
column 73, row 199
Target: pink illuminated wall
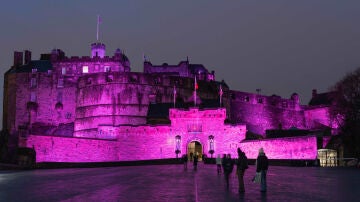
column 129, row 143
column 282, row 148
column 319, row 116
column 62, row 149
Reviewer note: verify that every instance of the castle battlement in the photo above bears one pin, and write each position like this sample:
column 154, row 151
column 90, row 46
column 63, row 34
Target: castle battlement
column 292, row 103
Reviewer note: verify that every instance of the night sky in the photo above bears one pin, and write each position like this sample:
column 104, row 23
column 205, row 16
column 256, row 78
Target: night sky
column 280, row 47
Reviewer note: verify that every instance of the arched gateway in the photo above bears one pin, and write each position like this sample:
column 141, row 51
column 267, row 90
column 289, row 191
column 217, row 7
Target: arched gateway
column 194, row 147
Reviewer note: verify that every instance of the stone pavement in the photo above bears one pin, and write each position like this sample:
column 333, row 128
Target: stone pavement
column 172, row 183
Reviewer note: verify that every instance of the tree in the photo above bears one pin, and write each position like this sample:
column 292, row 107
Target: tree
column 346, row 111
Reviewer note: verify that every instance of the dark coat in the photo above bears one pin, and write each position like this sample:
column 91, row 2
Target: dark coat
column 242, row 162
column 228, row 165
column 262, row 163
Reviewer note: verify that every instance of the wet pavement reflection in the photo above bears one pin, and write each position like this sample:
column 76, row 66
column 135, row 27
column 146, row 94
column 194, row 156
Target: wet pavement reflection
column 172, row 183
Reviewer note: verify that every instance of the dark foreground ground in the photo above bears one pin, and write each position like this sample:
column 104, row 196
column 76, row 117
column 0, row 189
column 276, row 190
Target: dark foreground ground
column 172, row 183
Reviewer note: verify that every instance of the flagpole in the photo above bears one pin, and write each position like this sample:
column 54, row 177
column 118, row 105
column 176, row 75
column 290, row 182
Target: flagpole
column 97, row 28
column 195, row 92
column 174, row 95
column 221, row 93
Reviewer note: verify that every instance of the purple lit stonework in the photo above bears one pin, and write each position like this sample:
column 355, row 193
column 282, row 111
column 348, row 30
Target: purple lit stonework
column 94, row 109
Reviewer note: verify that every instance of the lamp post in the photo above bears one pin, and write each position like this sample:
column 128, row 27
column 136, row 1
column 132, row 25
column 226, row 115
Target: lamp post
column 211, row 145
column 177, row 145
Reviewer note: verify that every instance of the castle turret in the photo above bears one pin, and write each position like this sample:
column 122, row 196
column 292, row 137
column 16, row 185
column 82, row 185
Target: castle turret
column 98, row 50
column 27, row 57
column 18, row 58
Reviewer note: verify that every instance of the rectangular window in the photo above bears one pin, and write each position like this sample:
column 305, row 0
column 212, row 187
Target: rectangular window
column 34, row 70
column 60, row 83
column 59, row 96
column 85, row 69
column 33, row 83
column 33, row 97
column 106, row 69
column 63, row 70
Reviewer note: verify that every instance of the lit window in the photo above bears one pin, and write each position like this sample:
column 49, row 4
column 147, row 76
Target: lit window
column 49, row 72
column 85, row 69
column 106, row 69
column 34, row 70
column 63, row 70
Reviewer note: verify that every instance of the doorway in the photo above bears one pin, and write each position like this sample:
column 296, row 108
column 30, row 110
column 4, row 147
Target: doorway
column 194, row 147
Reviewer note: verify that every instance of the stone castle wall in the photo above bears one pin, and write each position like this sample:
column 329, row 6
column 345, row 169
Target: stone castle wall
column 117, row 98
column 145, row 143
column 283, row 148
column 42, row 90
column 260, row 112
column 67, row 149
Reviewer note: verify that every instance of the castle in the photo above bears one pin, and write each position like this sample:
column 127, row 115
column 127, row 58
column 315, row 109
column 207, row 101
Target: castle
column 94, row 109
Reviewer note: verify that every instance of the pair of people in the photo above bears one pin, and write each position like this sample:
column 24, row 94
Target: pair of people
column 228, row 165
column 242, row 164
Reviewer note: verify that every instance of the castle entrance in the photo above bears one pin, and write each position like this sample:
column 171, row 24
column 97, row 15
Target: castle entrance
column 194, row 148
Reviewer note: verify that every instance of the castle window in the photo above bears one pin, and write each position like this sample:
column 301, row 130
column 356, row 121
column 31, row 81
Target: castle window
column 260, row 100
column 284, row 104
column 60, row 83
column 106, row 69
column 68, row 115
column 194, row 127
column 59, row 97
column 109, row 78
column 133, row 79
column 85, row 69
column 33, row 70
column 89, row 81
column 157, row 81
column 63, row 70
column 33, row 97
column 49, row 72
column 33, row 82
column 247, row 99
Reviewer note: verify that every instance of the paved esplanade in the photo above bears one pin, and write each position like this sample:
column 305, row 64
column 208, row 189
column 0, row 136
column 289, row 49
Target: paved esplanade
column 172, row 183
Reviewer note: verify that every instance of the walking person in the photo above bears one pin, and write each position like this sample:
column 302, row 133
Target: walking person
column 242, row 165
column 196, row 159
column 218, row 164
column 262, row 164
column 185, row 160
column 228, row 166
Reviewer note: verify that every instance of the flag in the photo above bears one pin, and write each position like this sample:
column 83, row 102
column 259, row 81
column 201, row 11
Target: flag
column 196, row 84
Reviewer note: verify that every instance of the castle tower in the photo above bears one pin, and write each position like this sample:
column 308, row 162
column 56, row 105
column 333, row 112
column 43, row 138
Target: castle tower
column 98, row 50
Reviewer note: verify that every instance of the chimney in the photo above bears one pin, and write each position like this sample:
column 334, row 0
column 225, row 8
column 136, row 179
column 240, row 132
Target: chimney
column 314, row 93
column 18, row 58
column 27, row 57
